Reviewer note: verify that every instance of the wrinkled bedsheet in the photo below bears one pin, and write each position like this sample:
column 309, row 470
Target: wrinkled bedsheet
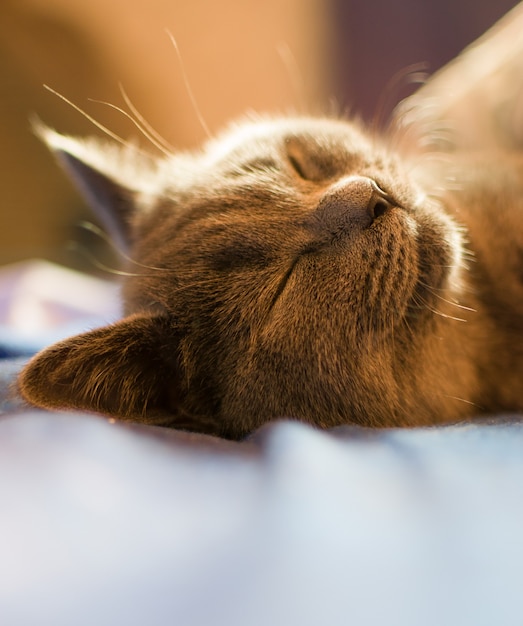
column 109, row 523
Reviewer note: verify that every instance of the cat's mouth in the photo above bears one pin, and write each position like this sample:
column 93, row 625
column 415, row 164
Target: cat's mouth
column 398, row 262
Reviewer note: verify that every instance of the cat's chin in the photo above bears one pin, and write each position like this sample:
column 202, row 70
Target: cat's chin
column 406, row 267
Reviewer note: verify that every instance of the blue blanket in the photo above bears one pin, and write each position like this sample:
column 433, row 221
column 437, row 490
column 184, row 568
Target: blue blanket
column 106, row 523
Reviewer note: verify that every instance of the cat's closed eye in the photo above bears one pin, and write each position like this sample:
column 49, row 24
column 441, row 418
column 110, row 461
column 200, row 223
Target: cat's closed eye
column 298, row 167
column 239, row 255
column 237, row 251
column 308, row 162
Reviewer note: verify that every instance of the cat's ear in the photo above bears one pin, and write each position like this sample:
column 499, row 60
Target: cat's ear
column 123, row 370
column 110, row 177
column 473, row 102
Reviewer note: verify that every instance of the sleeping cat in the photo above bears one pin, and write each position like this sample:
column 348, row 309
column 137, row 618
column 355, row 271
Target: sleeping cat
column 298, row 268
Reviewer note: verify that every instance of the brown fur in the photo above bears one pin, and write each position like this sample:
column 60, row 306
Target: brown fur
column 275, row 279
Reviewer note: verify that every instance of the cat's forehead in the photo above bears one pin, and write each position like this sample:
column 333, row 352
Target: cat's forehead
column 252, row 137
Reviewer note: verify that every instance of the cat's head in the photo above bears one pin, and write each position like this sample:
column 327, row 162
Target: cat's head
column 288, row 269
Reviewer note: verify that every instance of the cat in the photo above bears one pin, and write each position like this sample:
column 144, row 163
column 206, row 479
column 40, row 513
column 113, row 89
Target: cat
column 297, row 267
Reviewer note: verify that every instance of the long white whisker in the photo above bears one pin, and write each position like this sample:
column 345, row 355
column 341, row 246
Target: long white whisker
column 145, row 124
column 105, row 237
column 155, row 143
column 75, row 247
column 463, row 400
column 440, row 297
column 187, row 85
column 420, row 303
column 103, row 128
column 293, row 71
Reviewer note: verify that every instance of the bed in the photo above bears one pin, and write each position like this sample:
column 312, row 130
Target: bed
column 104, row 522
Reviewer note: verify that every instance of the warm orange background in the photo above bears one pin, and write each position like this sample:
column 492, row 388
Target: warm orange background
column 266, row 55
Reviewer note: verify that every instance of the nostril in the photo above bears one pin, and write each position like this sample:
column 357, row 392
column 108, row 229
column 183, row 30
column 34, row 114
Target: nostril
column 352, row 204
column 379, row 202
column 378, row 206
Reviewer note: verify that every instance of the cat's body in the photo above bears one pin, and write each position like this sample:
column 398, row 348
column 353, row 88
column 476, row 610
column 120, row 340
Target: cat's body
column 296, row 268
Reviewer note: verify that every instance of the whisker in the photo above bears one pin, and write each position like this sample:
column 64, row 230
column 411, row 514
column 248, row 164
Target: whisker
column 293, row 71
column 477, row 406
column 138, row 125
column 105, row 237
column 423, row 304
column 76, row 247
column 187, row 85
column 153, row 132
column 98, row 125
column 440, row 297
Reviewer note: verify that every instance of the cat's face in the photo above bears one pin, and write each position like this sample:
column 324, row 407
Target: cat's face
column 290, row 269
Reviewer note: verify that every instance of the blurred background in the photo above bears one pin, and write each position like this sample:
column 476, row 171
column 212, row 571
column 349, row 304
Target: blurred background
column 238, row 55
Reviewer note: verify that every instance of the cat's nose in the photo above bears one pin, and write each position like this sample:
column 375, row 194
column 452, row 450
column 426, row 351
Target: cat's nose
column 352, row 203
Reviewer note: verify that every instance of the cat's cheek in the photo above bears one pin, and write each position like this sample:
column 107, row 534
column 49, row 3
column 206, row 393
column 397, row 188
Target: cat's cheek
column 410, row 225
column 456, row 247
